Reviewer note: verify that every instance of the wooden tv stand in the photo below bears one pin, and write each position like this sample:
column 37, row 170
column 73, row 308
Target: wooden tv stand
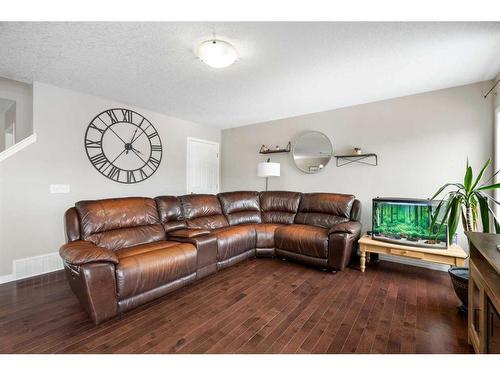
column 454, row 255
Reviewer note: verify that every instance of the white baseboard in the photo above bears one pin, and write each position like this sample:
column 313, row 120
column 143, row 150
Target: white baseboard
column 415, row 262
column 7, row 278
column 33, row 266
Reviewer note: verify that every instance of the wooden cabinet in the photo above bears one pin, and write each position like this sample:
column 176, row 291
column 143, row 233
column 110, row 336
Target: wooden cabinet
column 484, row 292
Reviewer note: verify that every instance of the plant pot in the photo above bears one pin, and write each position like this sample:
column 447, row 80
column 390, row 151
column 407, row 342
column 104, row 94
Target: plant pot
column 460, row 280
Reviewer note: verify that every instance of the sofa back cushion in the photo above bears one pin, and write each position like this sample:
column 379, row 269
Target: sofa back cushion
column 170, row 212
column 279, row 207
column 120, row 222
column 240, row 207
column 203, row 211
column 324, row 209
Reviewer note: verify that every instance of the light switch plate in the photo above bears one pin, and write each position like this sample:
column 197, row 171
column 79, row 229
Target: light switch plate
column 59, row 188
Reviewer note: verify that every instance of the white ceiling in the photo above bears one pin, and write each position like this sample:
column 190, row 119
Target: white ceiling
column 285, row 69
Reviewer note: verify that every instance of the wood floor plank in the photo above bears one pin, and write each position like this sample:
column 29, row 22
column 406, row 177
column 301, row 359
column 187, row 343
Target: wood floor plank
column 342, row 288
column 235, row 334
column 257, row 306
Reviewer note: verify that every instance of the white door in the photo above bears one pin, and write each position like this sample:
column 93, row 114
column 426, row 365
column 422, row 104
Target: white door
column 202, row 166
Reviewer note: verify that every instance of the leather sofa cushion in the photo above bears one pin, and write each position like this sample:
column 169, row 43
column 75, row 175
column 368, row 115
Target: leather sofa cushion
column 324, row 209
column 189, row 233
column 279, row 206
column 170, row 212
column 144, row 248
column 232, row 241
column 149, row 266
column 240, row 207
column 265, row 235
column 303, row 239
column 203, row 211
column 108, row 214
column 126, row 237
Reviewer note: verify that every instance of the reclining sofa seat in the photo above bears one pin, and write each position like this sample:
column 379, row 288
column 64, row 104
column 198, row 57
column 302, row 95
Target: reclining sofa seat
column 124, row 252
column 324, row 232
column 117, row 256
column 234, row 243
column 278, row 208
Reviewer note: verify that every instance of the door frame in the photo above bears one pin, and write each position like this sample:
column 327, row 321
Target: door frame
column 188, row 149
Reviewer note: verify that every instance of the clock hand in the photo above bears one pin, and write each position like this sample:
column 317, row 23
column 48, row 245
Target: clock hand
column 133, row 135
column 137, row 150
column 135, row 139
column 120, row 154
column 139, row 156
column 110, row 128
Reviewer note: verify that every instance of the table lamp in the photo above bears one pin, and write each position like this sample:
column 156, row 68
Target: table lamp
column 267, row 169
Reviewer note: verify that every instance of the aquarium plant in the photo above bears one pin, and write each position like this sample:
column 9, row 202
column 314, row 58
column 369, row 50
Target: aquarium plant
column 468, row 201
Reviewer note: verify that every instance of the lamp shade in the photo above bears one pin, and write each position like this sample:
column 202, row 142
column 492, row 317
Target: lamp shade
column 267, row 169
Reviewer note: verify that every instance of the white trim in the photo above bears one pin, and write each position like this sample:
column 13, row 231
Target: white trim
column 7, row 278
column 188, row 144
column 33, row 266
column 414, row 262
column 18, row 147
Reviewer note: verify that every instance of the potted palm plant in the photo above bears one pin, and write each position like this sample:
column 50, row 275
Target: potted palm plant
column 469, row 202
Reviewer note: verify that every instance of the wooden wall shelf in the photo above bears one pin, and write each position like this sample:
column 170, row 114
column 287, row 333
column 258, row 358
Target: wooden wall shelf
column 273, row 151
column 276, row 150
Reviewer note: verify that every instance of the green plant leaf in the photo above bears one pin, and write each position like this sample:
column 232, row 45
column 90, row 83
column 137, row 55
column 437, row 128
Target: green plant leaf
column 487, row 196
column 468, row 179
column 490, row 187
column 485, row 213
column 473, row 205
column 453, row 217
column 435, row 215
column 480, row 175
column 459, row 186
column 492, row 177
column 495, row 221
column 451, row 199
column 464, row 219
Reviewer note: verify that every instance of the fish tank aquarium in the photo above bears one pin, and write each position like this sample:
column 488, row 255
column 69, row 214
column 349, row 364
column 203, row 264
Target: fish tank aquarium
column 408, row 222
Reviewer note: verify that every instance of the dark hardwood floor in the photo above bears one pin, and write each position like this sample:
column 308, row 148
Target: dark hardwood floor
column 258, row 306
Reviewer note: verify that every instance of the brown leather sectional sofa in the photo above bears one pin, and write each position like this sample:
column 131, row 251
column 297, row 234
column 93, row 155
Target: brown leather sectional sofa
column 121, row 253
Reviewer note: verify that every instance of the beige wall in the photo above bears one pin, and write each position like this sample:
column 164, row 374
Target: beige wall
column 22, row 94
column 422, row 141
column 31, row 219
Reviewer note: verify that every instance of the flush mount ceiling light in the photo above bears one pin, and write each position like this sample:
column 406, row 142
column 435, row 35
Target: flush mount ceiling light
column 217, row 53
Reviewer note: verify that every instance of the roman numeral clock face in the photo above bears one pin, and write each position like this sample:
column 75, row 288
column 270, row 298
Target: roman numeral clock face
column 123, row 145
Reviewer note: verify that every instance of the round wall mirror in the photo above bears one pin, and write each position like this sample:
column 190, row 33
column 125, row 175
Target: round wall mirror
column 312, row 151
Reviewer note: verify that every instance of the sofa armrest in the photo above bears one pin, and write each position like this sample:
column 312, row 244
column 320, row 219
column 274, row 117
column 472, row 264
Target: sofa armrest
column 188, row 233
column 83, row 252
column 342, row 243
column 350, row 227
